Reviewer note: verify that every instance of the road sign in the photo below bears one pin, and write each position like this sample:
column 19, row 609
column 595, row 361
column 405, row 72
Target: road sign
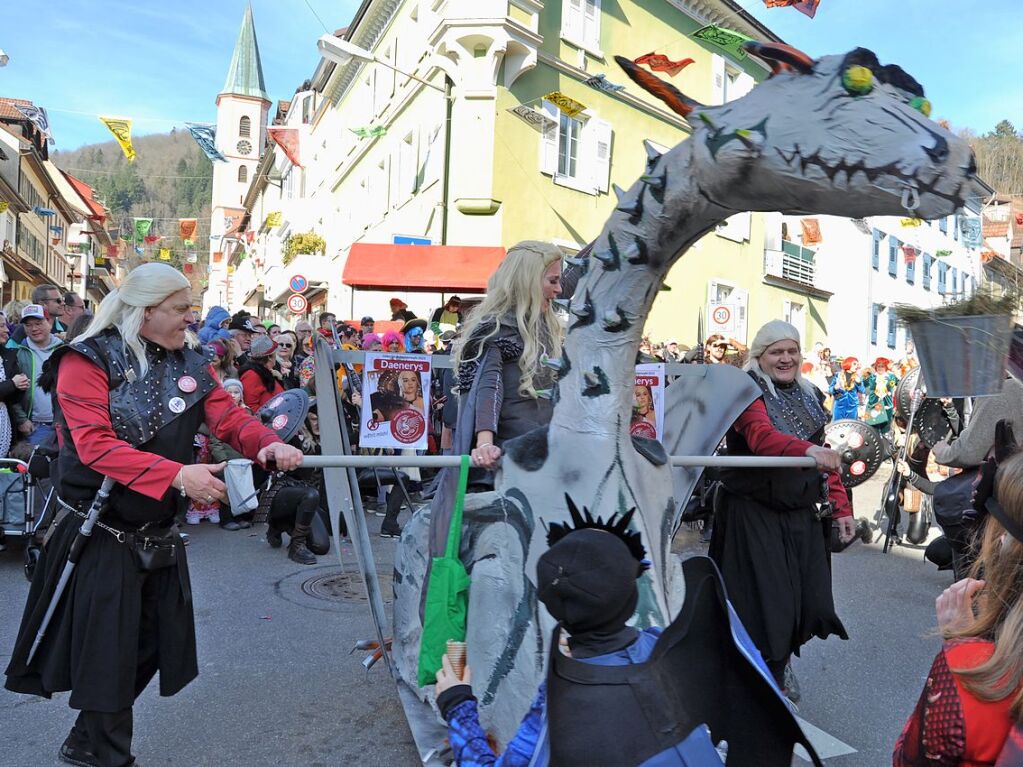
column 298, row 283
column 722, row 315
column 401, row 239
column 297, row 303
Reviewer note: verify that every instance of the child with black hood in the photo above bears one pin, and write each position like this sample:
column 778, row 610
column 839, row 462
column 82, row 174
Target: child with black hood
column 587, row 581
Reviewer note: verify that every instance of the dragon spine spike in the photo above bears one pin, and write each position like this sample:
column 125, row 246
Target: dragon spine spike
column 637, row 253
column 561, row 303
column 615, row 321
column 655, row 181
column 553, row 363
column 619, row 192
column 653, row 154
column 584, row 314
column 634, row 208
column 784, row 54
column 582, row 263
column 609, row 258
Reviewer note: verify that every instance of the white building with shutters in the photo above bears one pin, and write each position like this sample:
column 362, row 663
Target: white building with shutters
column 448, row 136
column 872, row 265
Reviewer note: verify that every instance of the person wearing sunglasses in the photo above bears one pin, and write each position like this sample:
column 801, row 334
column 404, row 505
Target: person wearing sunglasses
column 413, row 331
column 287, row 343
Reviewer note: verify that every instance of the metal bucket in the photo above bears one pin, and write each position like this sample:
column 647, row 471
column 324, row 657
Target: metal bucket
column 963, row 356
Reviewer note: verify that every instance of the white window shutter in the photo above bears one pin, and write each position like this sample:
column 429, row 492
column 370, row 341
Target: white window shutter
column 591, row 23
column 740, row 297
column 572, row 19
column 744, row 85
column 717, row 73
column 549, row 141
column 602, row 135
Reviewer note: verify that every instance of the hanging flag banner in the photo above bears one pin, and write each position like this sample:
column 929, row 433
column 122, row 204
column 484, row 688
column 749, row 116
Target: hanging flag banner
column 36, row 116
column 648, row 401
column 395, row 411
column 206, row 137
column 218, row 257
column 808, row 7
column 4, row 205
column 658, row 62
column 142, row 226
column 273, row 219
column 943, row 254
column 151, row 239
column 187, row 227
column 128, row 236
column 811, row 231
column 191, row 258
column 535, row 120
column 725, row 39
column 188, row 243
column 971, row 231
column 568, row 106
column 111, row 251
column 601, row 83
column 139, row 251
column 909, row 222
column 121, row 128
column 375, row 131
column 250, row 237
column 287, row 139
column 165, row 254
column 910, row 254
column 188, row 268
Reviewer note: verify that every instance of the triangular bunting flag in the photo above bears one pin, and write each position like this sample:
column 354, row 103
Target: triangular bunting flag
column 187, row 227
column 287, row 140
column 658, row 62
column 121, row 128
column 206, row 137
column 37, row 116
column 142, row 226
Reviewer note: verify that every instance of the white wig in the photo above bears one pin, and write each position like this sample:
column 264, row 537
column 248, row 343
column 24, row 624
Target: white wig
column 125, row 307
column 770, row 334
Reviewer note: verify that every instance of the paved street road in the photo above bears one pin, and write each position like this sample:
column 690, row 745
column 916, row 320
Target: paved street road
column 278, row 687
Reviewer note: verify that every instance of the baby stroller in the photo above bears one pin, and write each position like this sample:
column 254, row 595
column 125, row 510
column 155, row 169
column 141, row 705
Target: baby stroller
column 20, row 516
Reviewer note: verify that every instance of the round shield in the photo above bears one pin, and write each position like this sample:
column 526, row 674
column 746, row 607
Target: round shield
column 931, row 423
column 862, row 448
column 285, row 413
column 904, row 394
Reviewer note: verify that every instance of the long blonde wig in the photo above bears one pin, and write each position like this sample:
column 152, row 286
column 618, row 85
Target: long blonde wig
column 516, row 289
column 125, row 307
column 999, row 605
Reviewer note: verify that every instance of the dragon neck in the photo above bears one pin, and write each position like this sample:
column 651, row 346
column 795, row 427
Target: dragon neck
column 655, row 222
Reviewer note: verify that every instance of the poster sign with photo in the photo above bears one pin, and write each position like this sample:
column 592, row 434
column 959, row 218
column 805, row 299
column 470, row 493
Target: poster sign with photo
column 395, row 401
column 648, row 402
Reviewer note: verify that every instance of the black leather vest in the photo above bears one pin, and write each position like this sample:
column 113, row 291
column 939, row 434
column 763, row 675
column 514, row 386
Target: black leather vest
column 152, row 414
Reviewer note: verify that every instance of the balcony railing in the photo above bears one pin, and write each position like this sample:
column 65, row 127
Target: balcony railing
column 792, row 262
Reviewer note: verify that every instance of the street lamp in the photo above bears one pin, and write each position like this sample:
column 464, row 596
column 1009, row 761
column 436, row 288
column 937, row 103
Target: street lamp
column 341, row 52
column 4, row 58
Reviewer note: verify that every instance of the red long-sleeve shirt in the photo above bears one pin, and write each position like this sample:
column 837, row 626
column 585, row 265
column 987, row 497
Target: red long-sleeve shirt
column 82, row 391
column 754, row 426
column 254, row 393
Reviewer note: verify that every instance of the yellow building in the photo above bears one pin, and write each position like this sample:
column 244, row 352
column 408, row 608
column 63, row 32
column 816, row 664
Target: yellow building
column 431, row 126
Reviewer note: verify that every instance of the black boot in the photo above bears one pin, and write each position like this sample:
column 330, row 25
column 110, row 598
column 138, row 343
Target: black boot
column 297, row 549
column 390, row 528
column 273, row 536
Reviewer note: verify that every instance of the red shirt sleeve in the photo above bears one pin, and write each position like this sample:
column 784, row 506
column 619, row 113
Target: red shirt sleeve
column 230, row 423
column 754, row 425
column 252, row 387
column 82, row 391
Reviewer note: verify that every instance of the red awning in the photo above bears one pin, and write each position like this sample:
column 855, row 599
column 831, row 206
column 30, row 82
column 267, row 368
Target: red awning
column 434, row 268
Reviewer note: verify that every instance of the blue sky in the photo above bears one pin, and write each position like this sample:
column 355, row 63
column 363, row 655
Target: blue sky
column 146, row 59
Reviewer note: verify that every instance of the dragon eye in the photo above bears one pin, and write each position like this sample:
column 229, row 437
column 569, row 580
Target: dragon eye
column 921, row 105
column 858, row 80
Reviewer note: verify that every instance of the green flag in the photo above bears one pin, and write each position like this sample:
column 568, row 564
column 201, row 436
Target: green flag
column 142, row 226
column 725, row 39
column 447, row 594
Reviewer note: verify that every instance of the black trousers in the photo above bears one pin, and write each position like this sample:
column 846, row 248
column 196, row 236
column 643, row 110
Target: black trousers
column 107, row 736
column 298, row 505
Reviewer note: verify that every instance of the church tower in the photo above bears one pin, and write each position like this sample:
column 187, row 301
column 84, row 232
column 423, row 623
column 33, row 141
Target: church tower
column 242, row 109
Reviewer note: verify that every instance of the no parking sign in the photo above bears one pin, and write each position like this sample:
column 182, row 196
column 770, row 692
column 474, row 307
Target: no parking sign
column 298, row 284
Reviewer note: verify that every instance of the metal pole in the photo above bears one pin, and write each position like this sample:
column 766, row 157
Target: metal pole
column 442, row 461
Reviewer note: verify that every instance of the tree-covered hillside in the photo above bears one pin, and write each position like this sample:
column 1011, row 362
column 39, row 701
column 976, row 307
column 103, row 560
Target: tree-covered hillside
column 170, row 179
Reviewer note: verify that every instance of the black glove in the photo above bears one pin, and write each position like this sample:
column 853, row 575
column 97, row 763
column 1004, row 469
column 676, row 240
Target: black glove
column 982, row 490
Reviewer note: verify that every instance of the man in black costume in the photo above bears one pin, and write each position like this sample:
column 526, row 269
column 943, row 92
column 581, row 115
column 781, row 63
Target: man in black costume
column 130, row 398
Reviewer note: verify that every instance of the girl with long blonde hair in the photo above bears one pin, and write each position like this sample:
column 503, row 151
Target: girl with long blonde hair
column 973, row 696
column 501, row 375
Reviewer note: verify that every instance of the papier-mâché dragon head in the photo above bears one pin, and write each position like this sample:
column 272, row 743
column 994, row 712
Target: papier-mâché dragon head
column 841, row 135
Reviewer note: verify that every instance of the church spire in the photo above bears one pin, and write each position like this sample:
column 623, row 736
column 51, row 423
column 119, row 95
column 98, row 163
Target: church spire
column 245, row 75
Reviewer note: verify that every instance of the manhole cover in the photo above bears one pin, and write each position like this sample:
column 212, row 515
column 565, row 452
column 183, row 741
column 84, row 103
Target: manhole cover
column 346, row 587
